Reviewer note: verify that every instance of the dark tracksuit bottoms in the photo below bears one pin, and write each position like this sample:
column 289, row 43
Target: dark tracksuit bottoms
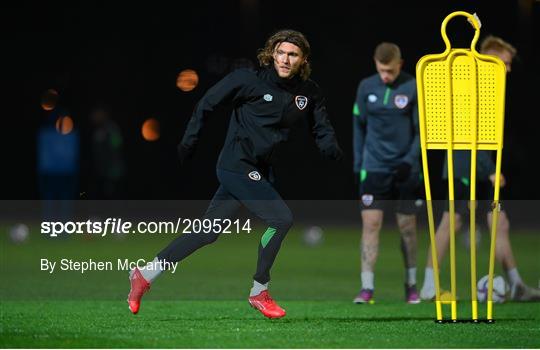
column 261, row 199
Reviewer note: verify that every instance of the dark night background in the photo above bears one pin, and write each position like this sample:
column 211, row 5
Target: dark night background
column 128, row 57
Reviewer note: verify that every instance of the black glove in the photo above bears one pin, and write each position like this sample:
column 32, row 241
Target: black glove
column 333, row 153
column 402, row 172
column 338, row 154
column 184, row 153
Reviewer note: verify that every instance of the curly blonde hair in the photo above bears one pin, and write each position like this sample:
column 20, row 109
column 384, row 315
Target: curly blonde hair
column 265, row 55
column 492, row 42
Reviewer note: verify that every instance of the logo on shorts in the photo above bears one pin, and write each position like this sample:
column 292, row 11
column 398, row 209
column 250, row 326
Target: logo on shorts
column 401, row 101
column 367, row 199
column 301, row 102
column 268, row 98
column 254, row 175
column 372, row 98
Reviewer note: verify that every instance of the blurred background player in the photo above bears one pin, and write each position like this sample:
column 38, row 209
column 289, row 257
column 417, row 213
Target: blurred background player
column 486, row 180
column 58, row 158
column 107, row 156
column 266, row 104
column 386, row 160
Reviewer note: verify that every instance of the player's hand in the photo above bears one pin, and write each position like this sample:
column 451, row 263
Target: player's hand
column 502, row 182
column 338, row 154
column 402, row 172
column 333, row 153
column 184, row 153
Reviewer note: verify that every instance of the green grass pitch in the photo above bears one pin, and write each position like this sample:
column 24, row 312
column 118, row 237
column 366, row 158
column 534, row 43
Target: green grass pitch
column 203, row 305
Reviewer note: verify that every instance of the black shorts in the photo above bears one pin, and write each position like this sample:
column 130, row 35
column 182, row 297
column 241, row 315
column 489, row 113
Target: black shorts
column 484, row 196
column 377, row 190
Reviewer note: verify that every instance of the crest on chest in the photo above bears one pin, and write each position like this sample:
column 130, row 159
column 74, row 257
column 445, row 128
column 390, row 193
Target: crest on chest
column 301, row 102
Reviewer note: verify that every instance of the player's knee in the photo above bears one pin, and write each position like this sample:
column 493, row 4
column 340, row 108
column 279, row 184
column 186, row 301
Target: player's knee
column 371, row 225
column 407, row 224
column 504, row 223
column 286, row 221
column 458, row 222
column 208, row 238
column 283, row 223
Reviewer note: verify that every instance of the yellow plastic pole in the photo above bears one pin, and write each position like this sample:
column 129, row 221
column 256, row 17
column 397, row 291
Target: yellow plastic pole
column 451, row 206
column 495, row 220
column 431, row 222
column 431, row 225
column 472, row 205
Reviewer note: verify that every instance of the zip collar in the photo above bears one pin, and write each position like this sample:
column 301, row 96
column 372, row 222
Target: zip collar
column 291, row 85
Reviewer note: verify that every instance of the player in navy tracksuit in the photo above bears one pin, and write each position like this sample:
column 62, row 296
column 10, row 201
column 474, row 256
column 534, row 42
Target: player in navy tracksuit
column 266, row 104
column 386, row 160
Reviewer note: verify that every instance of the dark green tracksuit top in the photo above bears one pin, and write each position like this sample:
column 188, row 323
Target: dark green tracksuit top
column 264, row 108
column 462, row 166
column 385, row 125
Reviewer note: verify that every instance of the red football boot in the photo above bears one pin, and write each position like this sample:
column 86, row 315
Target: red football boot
column 266, row 305
column 139, row 286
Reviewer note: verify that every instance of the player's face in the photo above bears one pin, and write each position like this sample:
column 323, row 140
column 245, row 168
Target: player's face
column 504, row 55
column 390, row 71
column 288, row 58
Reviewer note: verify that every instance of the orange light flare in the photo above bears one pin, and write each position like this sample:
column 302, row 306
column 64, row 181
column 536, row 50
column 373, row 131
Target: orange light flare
column 187, row 80
column 64, row 125
column 49, row 99
column 150, row 130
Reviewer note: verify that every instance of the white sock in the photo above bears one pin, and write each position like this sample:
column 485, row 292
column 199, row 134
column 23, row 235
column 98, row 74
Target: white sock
column 514, row 277
column 258, row 288
column 410, row 277
column 368, row 278
column 428, row 278
column 152, row 270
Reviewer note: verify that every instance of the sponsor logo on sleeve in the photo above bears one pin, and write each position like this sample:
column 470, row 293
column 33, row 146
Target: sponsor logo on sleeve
column 372, row 98
column 268, row 98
